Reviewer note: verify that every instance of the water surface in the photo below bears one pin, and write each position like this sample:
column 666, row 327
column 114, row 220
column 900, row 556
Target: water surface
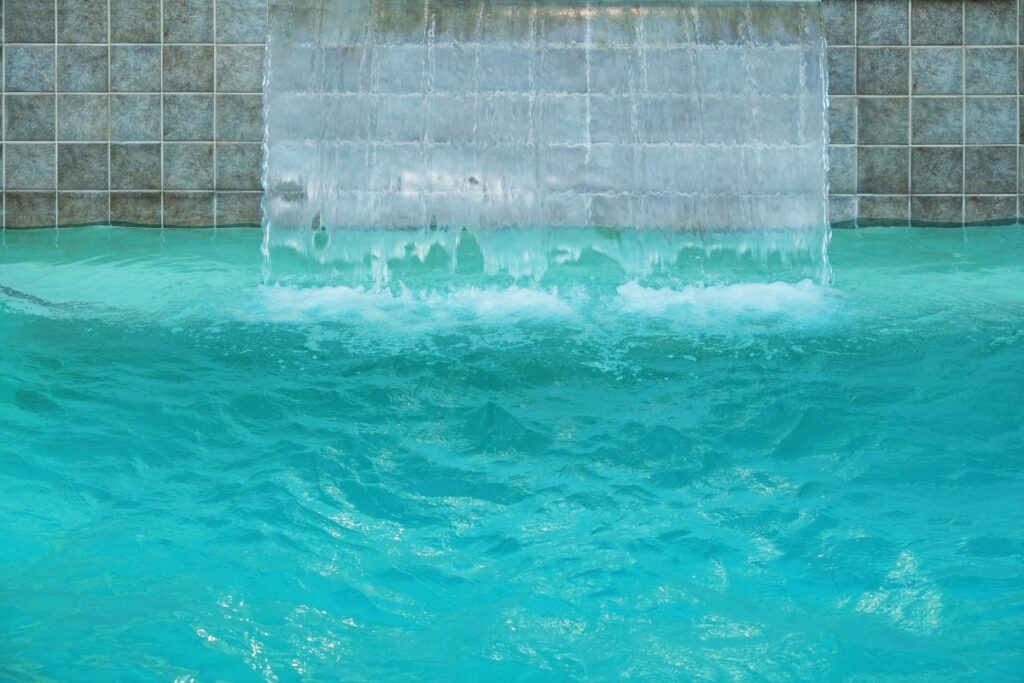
column 211, row 471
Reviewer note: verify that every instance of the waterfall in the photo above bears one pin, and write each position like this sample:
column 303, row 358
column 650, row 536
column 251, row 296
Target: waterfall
column 486, row 114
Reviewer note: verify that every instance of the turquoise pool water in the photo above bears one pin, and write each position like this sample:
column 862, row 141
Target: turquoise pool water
column 455, row 477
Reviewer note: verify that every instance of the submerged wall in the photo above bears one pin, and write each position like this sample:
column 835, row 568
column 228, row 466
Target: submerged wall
column 148, row 112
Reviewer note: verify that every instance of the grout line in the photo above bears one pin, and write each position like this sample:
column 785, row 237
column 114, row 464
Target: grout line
column 3, row 112
column 216, row 50
column 162, row 182
column 856, row 120
column 56, row 119
column 910, row 111
column 963, row 112
column 174, row 44
column 110, row 124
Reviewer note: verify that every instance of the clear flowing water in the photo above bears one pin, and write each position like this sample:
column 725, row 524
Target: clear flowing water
column 209, row 473
column 568, row 113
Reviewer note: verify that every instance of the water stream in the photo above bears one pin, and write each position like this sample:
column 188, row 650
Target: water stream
column 479, row 115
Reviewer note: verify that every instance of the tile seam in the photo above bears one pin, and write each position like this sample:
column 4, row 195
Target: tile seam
column 216, row 122
column 163, row 181
column 110, row 75
column 3, row 110
column 56, row 119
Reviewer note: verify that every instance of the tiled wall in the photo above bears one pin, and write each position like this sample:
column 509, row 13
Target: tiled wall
column 149, row 112
column 924, row 111
column 136, row 112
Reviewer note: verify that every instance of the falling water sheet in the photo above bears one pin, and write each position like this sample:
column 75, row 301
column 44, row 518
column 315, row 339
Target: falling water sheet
column 482, row 115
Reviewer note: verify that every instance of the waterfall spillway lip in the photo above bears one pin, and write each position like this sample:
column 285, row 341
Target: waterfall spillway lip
column 484, row 115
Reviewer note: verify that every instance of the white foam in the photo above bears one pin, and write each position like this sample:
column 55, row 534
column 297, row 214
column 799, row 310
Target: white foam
column 402, row 305
column 758, row 299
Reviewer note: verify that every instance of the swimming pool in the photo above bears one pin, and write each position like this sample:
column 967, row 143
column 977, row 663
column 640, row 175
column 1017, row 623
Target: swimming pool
column 212, row 474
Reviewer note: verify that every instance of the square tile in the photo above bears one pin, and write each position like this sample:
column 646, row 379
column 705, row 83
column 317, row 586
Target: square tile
column 242, row 21
column 30, row 117
column 937, row 170
column 612, row 71
column 990, row 22
column 30, row 209
column 240, row 68
column 135, row 167
column 842, row 169
column 451, row 71
column 399, row 69
column 990, row 210
column 565, row 71
column 991, row 120
column 936, row 211
column 883, row 70
column 188, row 166
column 842, row 120
column 883, row 120
column 400, row 119
column 841, row 70
column 990, row 170
column 188, row 210
column 721, row 71
column 937, row 121
column 188, row 117
column 29, row 21
column 240, row 118
column 134, row 118
column 990, row 70
column 82, row 68
column 561, row 27
column 30, row 68
column 239, row 166
column 81, row 21
column 82, row 118
column 606, row 29
column 188, row 21
column 838, row 17
column 883, row 22
column 82, row 208
column 143, row 209
column 888, row 211
column 188, row 68
column 938, row 70
column 31, row 166
column 842, row 211
column 937, row 22
column 82, row 166
column 135, row 68
column 132, row 21
column 239, row 209
column 883, row 170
